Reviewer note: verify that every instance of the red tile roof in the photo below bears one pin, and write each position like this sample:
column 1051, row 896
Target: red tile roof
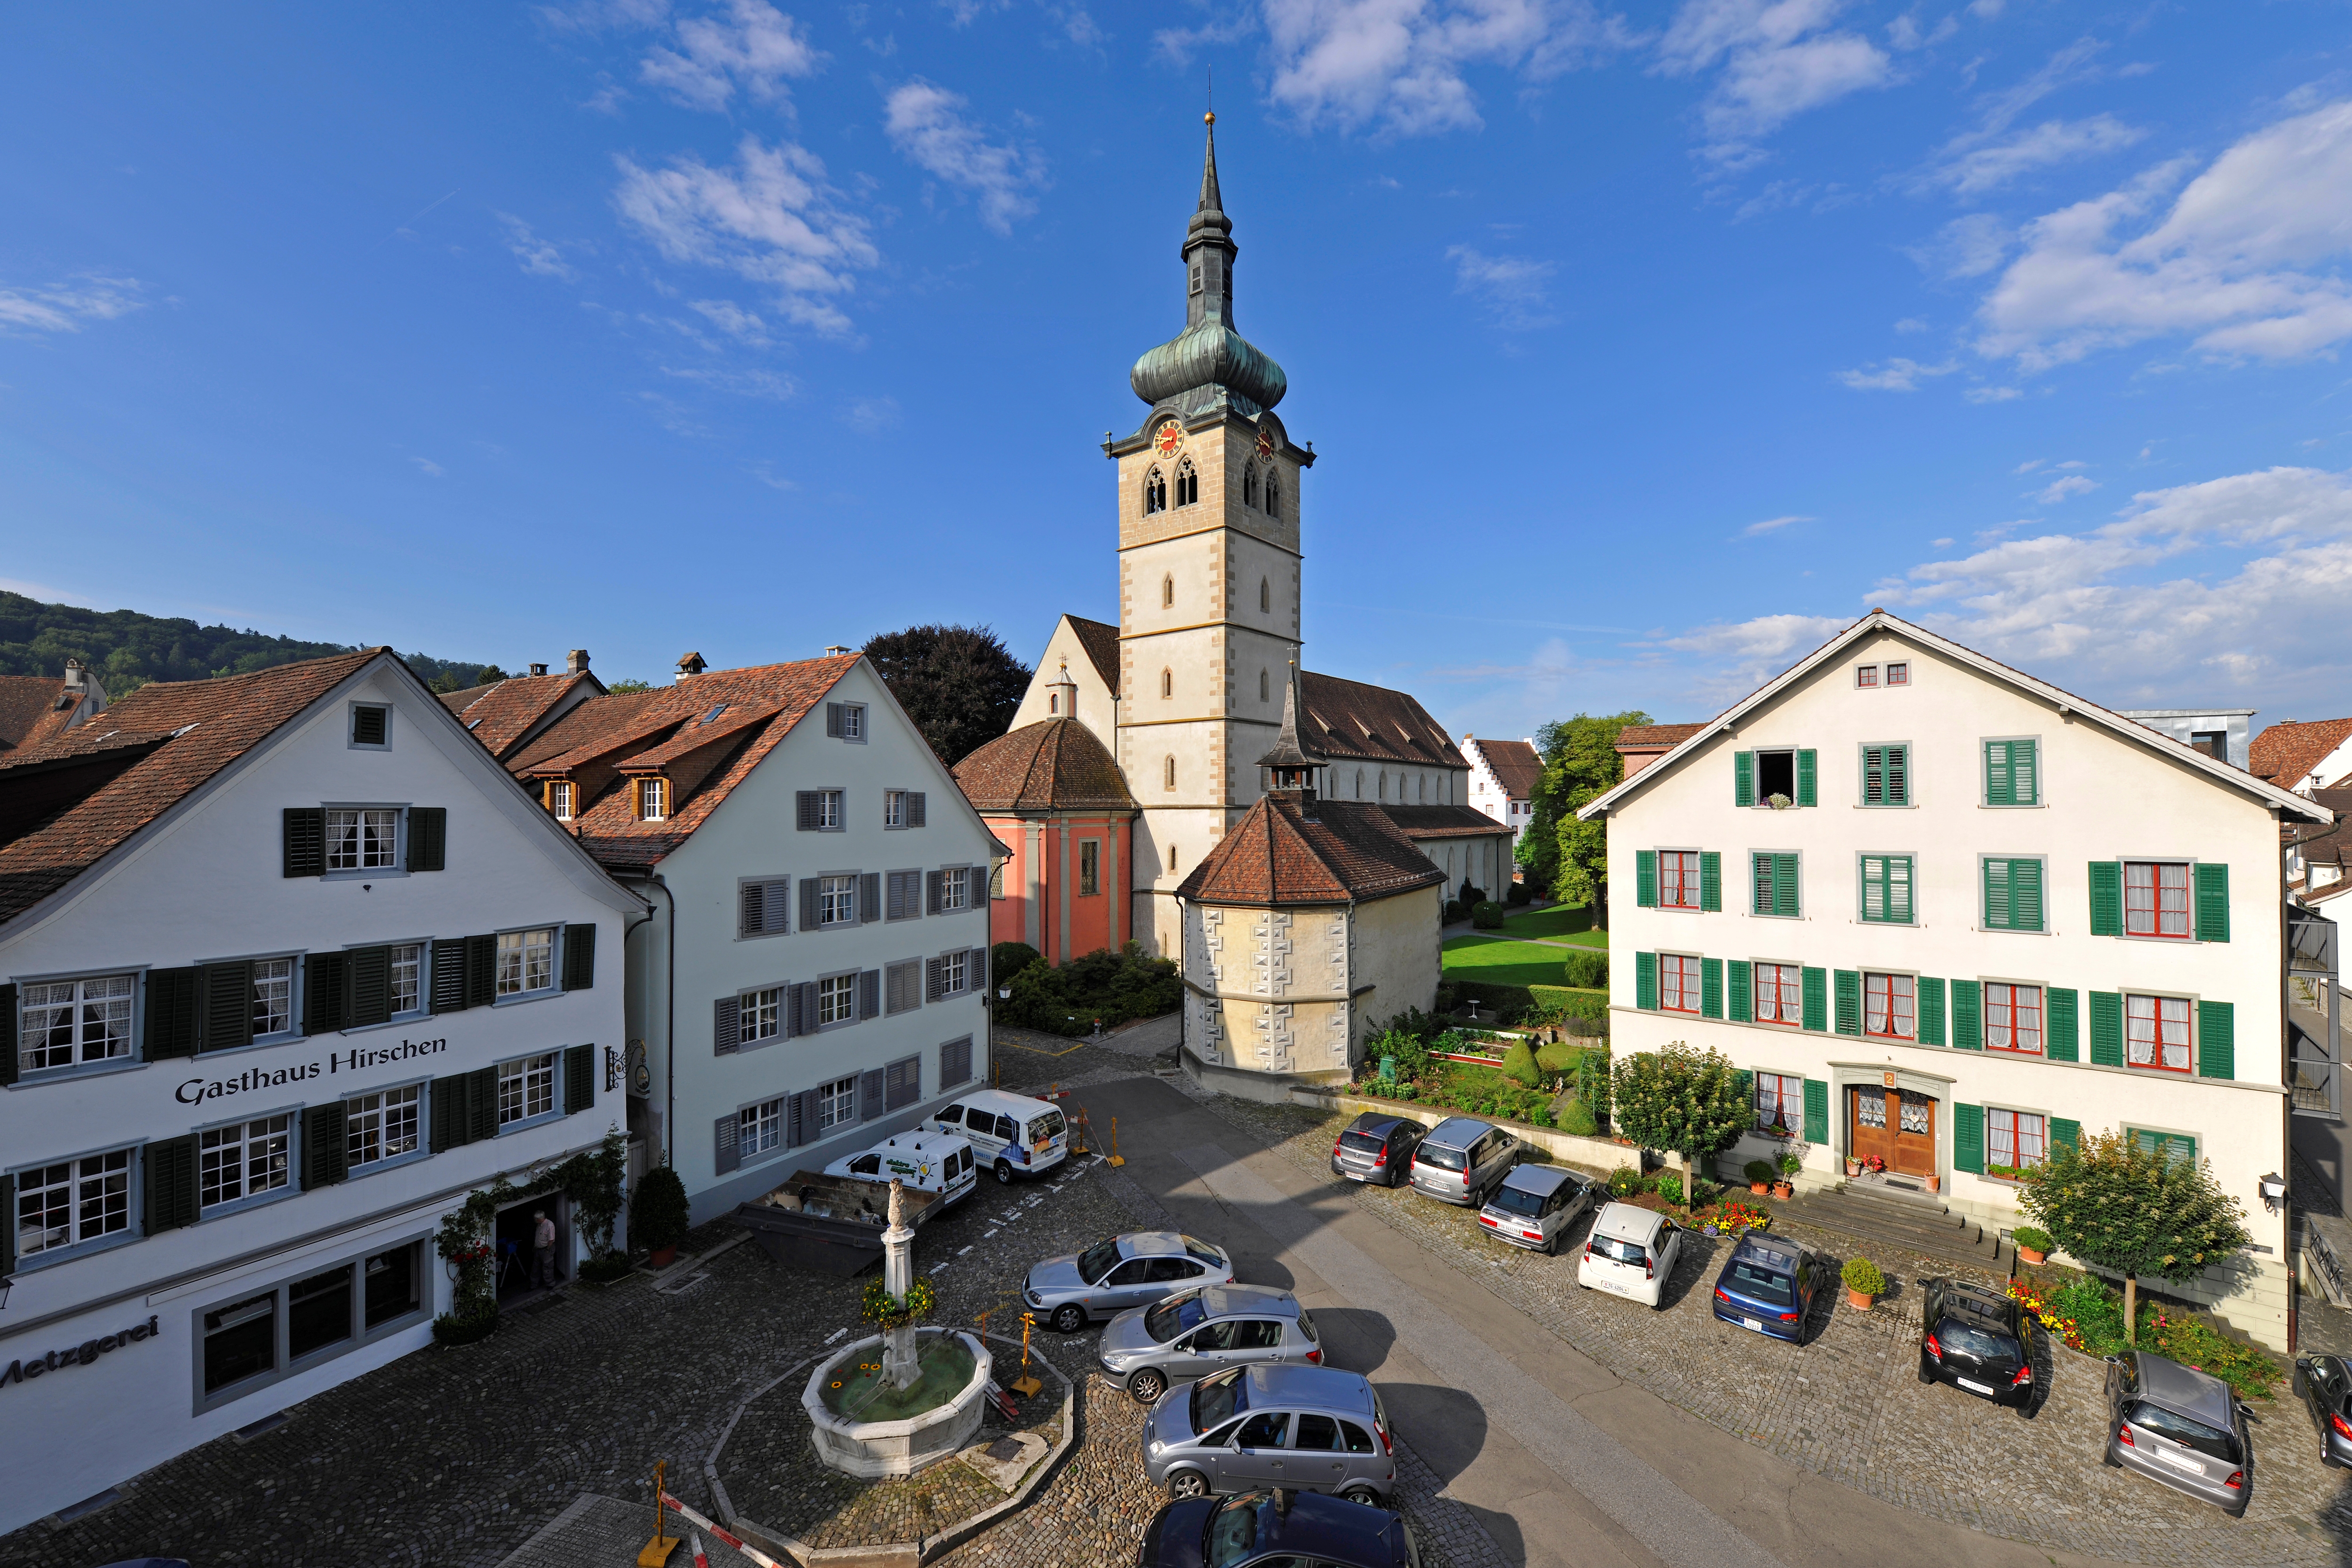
column 1055, row 764
column 2285, row 751
column 1660, row 737
column 1518, row 766
column 1349, row 851
column 1100, row 639
column 1418, row 822
column 1350, row 720
column 503, row 712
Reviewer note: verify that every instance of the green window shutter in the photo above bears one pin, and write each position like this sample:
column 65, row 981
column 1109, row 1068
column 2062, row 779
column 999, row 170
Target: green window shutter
column 579, row 957
column 1849, row 1002
column 1817, row 999
column 172, row 1013
column 9, row 1061
column 578, row 1079
column 1999, row 784
column 1873, row 775
column 481, row 970
column 228, row 1006
column 1743, row 778
column 1968, row 1137
column 2212, row 902
column 482, row 1104
column 1741, row 978
column 1710, row 881
column 1710, row 987
column 2064, row 1131
column 1809, row 767
column 1886, row 889
column 1874, row 887
column 1898, row 775
column 1645, row 981
column 1785, row 902
column 2106, row 898
column 1996, row 895
column 2025, row 895
column 1898, row 888
column 450, row 976
column 371, row 986
column 1931, row 1011
column 326, row 990
column 2025, row 772
column 2107, row 1028
column 1645, row 878
column 306, row 841
column 449, row 1129
column 168, row 1169
column 324, row 1151
column 1968, row 1015
column 2061, row 1033
column 428, row 837
column 2217, row 1039
column 1817, row 1111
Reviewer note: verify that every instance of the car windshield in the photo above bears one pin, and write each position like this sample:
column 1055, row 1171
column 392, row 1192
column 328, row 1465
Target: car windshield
column 2207, row 1440
column 1511, row 1200
column 1760, row 1284
column 1098, row 1260
column 1443, row 1159
column 1958, row 1333
column 1203, row 1251
column 1174, row 1316
column 1621, row 1250
column 1362, row 1143
column 1216, row 1399
column 1232, row 1530
column 1046, row 1126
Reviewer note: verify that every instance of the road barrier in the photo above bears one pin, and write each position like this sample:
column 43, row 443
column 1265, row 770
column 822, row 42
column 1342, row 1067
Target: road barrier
column 753, row 1553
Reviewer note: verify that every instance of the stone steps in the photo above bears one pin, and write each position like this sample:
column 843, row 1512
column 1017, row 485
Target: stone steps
column 1919, row 1225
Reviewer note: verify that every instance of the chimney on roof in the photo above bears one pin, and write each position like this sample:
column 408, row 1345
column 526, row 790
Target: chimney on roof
column 77, row 677
column 835, row 650
column 577, row 662
column 538, row 669
column 690, row 664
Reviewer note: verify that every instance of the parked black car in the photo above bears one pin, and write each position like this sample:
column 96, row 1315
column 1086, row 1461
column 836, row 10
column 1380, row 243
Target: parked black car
column 1377, row 1148
column 1980, row 1343
column 1285, row 1528
column 2324, row 1384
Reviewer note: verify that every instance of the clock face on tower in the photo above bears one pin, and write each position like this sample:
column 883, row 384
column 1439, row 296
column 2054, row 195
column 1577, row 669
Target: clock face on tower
column 1265, row 443
column 1168, row 438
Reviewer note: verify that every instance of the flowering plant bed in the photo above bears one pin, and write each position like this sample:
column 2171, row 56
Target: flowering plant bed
column 1736, row 1218
column 2088, row 1317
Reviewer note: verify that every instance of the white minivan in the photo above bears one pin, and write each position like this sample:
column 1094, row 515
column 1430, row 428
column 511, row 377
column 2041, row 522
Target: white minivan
column 927, row 1161
column 1012, row 1134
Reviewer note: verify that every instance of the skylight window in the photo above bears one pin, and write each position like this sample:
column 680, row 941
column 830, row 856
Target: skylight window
column 714, row 713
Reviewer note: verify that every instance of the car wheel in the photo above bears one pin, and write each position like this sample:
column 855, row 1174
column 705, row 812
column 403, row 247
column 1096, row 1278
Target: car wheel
column 1364, row 1495
column 1183, row 1484
column 1147, row 1386
column 1004, row 1173
column 1068, row 1318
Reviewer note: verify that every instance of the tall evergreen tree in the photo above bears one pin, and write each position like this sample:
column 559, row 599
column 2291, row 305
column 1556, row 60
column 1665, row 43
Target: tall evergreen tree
column 959, row 684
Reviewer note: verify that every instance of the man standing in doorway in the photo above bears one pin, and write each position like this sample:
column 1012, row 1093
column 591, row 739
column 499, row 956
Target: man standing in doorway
column 542, row 1240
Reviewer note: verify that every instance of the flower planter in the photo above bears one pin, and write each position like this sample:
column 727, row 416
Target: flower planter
column 1859, row 1301
column 1854, row 1167
column 2027, row 1255
column 663, row 1256
column 1759, row 1188
column 1784, row 1190
column 1934, row 1184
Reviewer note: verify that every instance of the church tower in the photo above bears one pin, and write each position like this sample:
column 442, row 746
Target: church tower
column 1208, row 574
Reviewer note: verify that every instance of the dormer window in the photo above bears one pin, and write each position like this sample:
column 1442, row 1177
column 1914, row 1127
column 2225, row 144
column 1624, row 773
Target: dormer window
column 1188, row 483
column 1155, row 491
column 653, row 800
column 371, row 725
column 559, row 799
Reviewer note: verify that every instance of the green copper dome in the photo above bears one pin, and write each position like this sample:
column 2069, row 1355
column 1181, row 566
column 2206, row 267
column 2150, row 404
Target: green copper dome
column 1209, row 356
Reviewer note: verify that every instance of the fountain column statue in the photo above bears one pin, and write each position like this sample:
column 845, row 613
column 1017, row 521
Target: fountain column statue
column 898, row 1360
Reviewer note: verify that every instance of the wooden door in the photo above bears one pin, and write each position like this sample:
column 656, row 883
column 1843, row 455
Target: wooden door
column 1913, row 1127
column 1868, row 1113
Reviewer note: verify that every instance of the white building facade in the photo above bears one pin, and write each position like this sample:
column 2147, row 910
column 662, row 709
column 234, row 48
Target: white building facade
column 1948, row 917
column 309, row 968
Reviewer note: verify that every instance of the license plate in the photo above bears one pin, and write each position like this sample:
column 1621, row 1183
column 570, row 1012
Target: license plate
column 1756, row 1323
column 1972, row 1387
column 2180, row 1461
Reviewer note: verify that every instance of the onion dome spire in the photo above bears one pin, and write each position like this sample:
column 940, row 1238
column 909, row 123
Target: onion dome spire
column 1209, row 363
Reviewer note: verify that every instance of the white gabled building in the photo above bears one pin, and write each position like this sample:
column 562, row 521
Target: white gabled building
column 814, row 972
column 288, row 966
column 1948, row 915
column 1504, row 777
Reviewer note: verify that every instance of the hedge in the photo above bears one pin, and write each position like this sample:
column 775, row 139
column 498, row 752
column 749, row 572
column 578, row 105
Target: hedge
column 1590, row 1005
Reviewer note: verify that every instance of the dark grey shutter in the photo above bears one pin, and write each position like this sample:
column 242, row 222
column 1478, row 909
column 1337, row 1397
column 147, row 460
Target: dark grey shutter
column 449, row 1129
column 810, row 888
column 806, row 991
column 323, row 1149
column 228, row 1006
column 869, row 1095
column 809, row 810
column 904, row 1083
column 955, row 1063
column 579, row 957
column 482, row 1104
column 934, row 892
column 894, row 906
column 724, row 1155
column 306, row 841
column 779, row 909
column 751, row 917
column 726, row 1025
column 931, row 968
column 326, row 990
column 832, row 720
column 975, row 970
column 168, row 1169
column 481, row 970
column 428, row 837
column 172, row 1014
column 869, row 898
column 8, row 1231
column 915, row 808
column 579, row 1080
column 869, row 993
column 797, row 1119
column 788, row 1010
column 8, row 1062
column 371, row 986
column 450, row 976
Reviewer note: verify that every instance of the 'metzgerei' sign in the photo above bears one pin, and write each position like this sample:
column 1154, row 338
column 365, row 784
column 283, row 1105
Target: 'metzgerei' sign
column 81, row 1354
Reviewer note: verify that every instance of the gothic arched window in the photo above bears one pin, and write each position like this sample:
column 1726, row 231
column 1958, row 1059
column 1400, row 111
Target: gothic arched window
column 1188, row 482
column 1155, row 490
column 1168, row 776
column 1249, row 484
column 1265, row 593
column 1167, row 683
column 1384, row 784
column 1171, row 860
column 1264, row 687
column 1360, row 784
column 1168, row 593
column 1273, row 494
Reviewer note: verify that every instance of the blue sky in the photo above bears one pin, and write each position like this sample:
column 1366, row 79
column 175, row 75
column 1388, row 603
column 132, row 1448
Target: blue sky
column 1641, row 347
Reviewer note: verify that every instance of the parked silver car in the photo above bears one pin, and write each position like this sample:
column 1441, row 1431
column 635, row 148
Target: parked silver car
column 1313, row 1427
column 1461, row 1160
column 2180, row 1427
column 1131, row 1270
column 1536, row 1205
column 1196, row 1333
column 1377, row 1147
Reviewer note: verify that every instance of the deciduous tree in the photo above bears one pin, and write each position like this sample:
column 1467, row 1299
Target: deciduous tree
column 1691, row 1101
column 959, row 684
column 2135, row 1208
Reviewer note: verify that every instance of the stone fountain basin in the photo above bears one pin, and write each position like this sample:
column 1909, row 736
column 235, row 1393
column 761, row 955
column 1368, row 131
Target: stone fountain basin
column 874, row 1450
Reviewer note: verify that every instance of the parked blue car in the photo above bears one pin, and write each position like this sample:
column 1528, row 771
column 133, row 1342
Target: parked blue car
column 1768, row 1285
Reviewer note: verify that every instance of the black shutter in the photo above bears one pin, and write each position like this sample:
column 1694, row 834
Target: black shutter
column 807, row 990
column 579, row 958
column 8, row 1231
column 811, row 886
column 869, row 1095
column 789, row 1005
column 832, row 720
column 975, row 970
column 228, row 1006
column 306, row 841
column 450, row 976
column 8, row 1060
column 449, row 1129
column 915, row 808
column 323, row 1150
column 482, row 1104
column 579, row 1080
column 428, row 837
column 931, row 967
column 326, row 990
column 934, row 890
column 869, row 898
column 481, row 970
column 796, row 1123
column 751, row 917
column 809, row 810
column 172, row 1014
column 371, row 986
column 726, row 1025
column 724, row 1155
column 170, row 1170
column 869, row 993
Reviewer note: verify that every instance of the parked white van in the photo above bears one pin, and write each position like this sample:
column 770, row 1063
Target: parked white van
column 927, row 1161
column 1012, row 1134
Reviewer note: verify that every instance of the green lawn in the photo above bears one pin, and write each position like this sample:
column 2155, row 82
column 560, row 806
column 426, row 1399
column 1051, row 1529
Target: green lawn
column 1504, row 963
column 1558, row 923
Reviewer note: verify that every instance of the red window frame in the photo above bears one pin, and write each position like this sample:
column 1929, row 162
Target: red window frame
column 2151, row 905
column 1785, row 984
column 1678, row 879
column 1890, row 1006
column 1785, row 1093
column 2158, row 1028
column 1678, row 982
column 1899, row 673
column 2009, row 1125
column 2018, row 1028
column 1865, row 676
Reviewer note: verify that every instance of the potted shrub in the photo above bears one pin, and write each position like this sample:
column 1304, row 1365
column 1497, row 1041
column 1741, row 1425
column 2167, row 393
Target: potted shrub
column 1786, row 1187
column 1852, row 1166
column 657, row 1215
column 2033, row 1243
column 1934, row 1184
column 1759, row 1175
column 1863, row 1283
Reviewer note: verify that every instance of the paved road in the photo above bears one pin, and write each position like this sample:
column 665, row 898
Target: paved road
column 1563, row 1462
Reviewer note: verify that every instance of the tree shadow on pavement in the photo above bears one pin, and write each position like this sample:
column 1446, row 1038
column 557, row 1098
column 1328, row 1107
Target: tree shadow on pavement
column 1354, row 1338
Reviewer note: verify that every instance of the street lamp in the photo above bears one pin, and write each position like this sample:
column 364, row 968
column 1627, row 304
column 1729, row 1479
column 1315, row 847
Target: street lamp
column 2273, row 1188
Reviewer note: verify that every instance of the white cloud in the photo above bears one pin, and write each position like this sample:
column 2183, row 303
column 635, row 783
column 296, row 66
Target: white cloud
column 1510, row 287
column 1979, row 169
column 1991, row 393
column 1894, row 376
column 1910, row 324
column 1777, row 60
column 1771, row 524
column 2059, row 489
column 742, row 383
column 753, row 46
column 429, row 468
column 772, row 219
column 2248, row 258
column 2027, row 466
column 871, row 416
column 538, row 256
column 733, row 320
column 1966, row 246
column 64, row 307
column 927, row 125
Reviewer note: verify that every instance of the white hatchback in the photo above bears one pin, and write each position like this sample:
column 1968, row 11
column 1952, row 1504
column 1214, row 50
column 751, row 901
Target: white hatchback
column 1631, row 1252
column 1012, row 1134
column 927, row 1161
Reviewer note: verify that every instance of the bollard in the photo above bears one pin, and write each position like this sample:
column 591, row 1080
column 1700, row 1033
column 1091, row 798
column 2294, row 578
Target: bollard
column 1028, row 1382
column 657, row 1550
column 1116, row 1158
